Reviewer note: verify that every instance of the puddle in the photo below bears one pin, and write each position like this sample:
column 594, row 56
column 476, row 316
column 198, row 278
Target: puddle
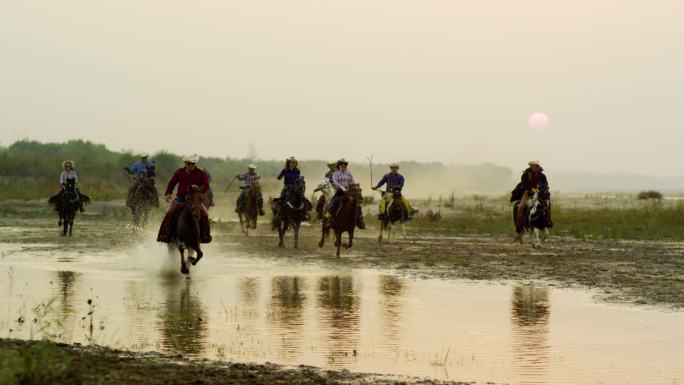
column 242, row 309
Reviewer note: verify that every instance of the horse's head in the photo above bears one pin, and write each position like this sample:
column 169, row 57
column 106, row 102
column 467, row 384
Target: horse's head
column 255, row 186
column 396, row 193
column 354, row 191
column 299, row 186
column 324, row 185
column 194, row 196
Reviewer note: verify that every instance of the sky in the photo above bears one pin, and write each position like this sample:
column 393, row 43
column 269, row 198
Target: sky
column 430, row 80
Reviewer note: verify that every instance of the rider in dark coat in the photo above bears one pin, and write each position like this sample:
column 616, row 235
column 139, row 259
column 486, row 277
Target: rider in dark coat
column 533, row 178
column 290, row 173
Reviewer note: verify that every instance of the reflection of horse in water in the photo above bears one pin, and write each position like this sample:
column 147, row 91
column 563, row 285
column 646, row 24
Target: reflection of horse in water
column 395, row 212
column 530, row 312
column 535, row 219
column 144, row 197
column 183, row 320
column 338, row 303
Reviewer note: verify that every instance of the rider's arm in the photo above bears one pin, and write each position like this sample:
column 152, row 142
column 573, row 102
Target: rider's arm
column 401, row 182
column 336, row 182
column 280, row 176
column 381, row 182
column 62, row 178
column 172, row 183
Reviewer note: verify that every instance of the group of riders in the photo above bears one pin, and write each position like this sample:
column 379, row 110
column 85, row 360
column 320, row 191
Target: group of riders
column 338, row 176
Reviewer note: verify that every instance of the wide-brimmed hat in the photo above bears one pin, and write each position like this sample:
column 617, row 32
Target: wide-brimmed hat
column 191, row 159
column 533, row 163
column 332, row 163
column 71, row 162
column 252, row 166
column 342, row 161
column 144, row 155
column 394, row 165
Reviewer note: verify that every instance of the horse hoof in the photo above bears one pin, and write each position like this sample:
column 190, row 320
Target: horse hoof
column 320, row 244
column 192, row 260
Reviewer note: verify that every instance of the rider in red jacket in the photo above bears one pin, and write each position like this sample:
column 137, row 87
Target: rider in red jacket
column 184, row 177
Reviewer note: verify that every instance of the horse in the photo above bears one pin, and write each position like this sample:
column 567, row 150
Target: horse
column 188, row 228
column 248, row 209
column 291, row 212
column 535, row 219
column 325, row 187
column 344, row 220
column 67, row 202
column 395, row 211
column 144, row 198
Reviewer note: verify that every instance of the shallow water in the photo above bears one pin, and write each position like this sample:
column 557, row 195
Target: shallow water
column 252, row 309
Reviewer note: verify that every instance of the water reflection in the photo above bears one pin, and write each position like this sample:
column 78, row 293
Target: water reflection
column 249, row 296
column 66, row 319
column 392, row 291
column 287, row 313
column 338, row 304
column 530, row 321
column 183, row 320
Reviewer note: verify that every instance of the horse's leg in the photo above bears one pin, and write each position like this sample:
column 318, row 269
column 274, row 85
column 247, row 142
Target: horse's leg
column 65, row 225
column 242, row 226
column 403, row 229
column 71, row 223
column 382, row 227
column 389, row 231
column 535, row 237
column 351, row 238
column 281, row 233
column 545, row 234
column 323, row 233
column 184, row 267
column 295, row 229
column 338, row 241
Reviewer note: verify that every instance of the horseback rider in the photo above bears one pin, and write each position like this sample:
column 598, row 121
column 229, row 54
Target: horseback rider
column 144, row 168
column 532, row 180
column 332, row 167
column 393, row 180
column 248, row 177
column 68, row 179
column 184, row 177
column 290, row 173
column 342, row 179
column 320, row 204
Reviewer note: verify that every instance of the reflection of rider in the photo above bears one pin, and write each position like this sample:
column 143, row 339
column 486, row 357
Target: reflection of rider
column 184, row 177
column 248, row 177
column 141, row 169
column 342, row 179
column 394, row 181
column 290, row 173
column 67, row 180
column 533, row 178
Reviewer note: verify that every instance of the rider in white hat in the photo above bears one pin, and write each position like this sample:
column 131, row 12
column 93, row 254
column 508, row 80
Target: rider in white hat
column 394, row 181
column 250, row 177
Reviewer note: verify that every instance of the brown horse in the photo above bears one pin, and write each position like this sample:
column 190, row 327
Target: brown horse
column 188, row 228
column 344, row 220
column 144, row 197
column 248, row 210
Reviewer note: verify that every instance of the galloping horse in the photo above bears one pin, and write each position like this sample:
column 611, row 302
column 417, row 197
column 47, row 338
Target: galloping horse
column 291, row 212
column 344, row 220
column 67, row 203
column 394, row 212
column 535, row 218
column 188, row 228
column 248, row 210
column 144, row 198
column 325, row 187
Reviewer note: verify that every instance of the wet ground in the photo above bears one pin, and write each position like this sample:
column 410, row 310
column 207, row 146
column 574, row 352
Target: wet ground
column 467, row 309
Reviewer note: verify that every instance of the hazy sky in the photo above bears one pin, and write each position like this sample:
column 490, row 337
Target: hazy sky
column 446, row 80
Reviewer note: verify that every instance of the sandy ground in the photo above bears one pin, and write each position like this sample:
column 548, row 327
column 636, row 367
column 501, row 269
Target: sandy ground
column 99, row 365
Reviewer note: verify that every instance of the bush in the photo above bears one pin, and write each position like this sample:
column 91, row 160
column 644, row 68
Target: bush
column 650, row 194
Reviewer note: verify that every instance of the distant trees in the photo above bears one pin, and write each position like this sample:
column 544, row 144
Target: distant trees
column 650, row 194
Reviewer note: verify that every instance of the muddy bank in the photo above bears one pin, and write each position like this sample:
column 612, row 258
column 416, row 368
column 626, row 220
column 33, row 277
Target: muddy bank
column 53, row 363
column 637, row 272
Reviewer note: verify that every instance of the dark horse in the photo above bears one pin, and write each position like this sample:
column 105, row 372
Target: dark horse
column 67, row 202
column 344, row 220
column 188, row 228
column 534, row 220
column 291, row 212
column 395, row 211
column 144, row 198
column 248, row 210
